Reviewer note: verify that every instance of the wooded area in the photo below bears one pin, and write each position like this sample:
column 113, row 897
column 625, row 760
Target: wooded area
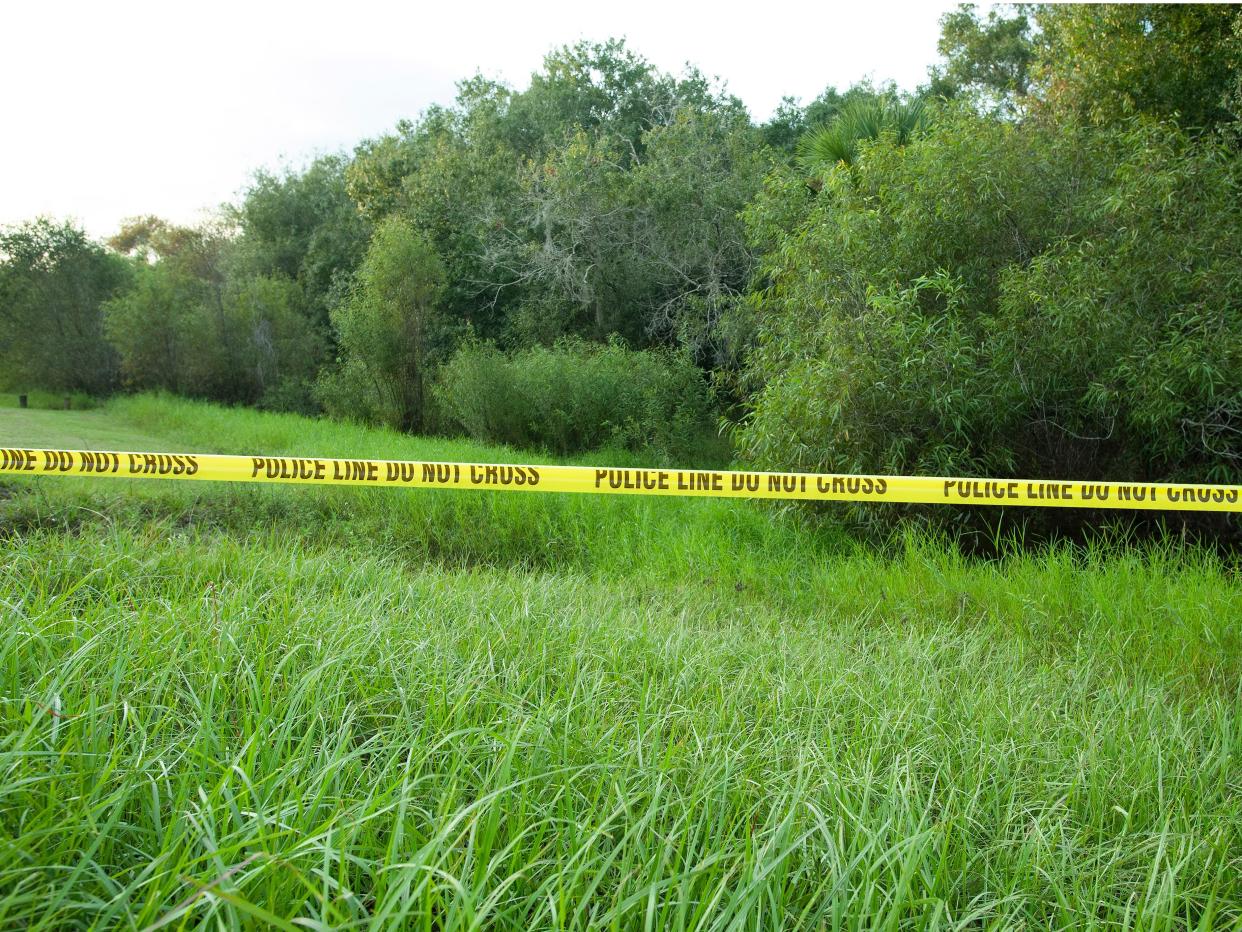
column 1028, row 266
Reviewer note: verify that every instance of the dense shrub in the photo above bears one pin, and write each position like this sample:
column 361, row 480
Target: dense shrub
column 245, row 341
column 1001, row 299
column 577, row 396
column 392, row 332
column 54, row 281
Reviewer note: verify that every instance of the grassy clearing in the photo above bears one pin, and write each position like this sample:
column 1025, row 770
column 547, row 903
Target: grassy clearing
column 230, row 706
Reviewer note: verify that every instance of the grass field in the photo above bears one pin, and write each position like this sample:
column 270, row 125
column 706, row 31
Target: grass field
column 237, row 707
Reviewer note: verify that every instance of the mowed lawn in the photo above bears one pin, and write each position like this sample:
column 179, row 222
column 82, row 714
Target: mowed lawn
column 231, row 706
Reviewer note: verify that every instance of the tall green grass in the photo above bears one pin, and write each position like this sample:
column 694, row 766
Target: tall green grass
column 607, row 533
column 238, row 707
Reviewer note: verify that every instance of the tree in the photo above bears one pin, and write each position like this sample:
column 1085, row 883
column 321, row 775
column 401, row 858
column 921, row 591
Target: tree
column 391, row 330
column 453, row 178
column 1101, row 62
column 606, row 91
column 281, row 349
column 1004, row 299
column 193, row 325
column 988, row 59
column 860, row 121
column 524, row 195
column 828, row 105
column 303, row 227
column 160, row 331
column 650, row 250
column 791, row 121
column 575, row 239
column 699, row 173
column 150, row 238
column 1105, row 62
column 53, row 283
column 785, row 127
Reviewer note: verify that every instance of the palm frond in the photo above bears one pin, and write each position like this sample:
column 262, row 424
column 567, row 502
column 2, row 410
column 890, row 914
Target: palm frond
column 837, row 142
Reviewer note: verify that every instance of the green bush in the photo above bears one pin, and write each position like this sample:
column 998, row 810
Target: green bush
column 1030, row 300
column 54, row 279
column 392, row 331
column 246, row 342
column 578, row 396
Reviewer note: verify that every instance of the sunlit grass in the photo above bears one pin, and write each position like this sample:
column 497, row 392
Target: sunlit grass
column 230, row 706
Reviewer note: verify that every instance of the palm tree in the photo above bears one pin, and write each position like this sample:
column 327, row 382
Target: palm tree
column 837, row 142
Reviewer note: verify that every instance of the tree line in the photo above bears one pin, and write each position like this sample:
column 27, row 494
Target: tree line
column 1029, row 265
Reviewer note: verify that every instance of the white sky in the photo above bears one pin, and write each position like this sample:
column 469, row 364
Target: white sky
column 112, row 110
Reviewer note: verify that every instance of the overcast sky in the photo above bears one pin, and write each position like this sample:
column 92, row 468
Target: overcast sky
column 111, row 110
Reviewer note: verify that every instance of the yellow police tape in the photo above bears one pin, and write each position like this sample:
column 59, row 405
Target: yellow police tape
column 628, row 481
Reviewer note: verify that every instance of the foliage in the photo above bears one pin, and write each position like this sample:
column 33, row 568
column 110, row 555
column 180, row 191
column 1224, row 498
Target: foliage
column 452, row 179
column 159, row 329
column 302, row 227
column 53, row 282
column 575, row 238
column 990, row 59
column 577, row 396
column 858, row 122
column 1108, row 61
column 699, row 172
column 1005, row 300
column 281, row 351
column 1103, row 62
column 785, row 128
column 607, row 91
column 236, row 309
column 828, row 105
column 540, row 202
column 150, row 238
column 191, row 325
column 651, row 250
column 391, row 331
column 1130, row 332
